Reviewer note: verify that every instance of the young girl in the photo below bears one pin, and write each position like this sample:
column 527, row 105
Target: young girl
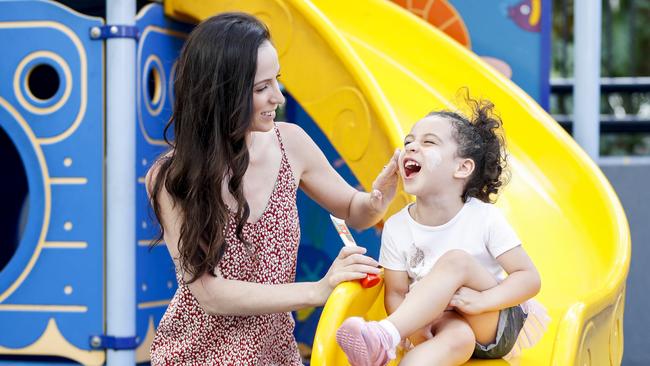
column 445, row 255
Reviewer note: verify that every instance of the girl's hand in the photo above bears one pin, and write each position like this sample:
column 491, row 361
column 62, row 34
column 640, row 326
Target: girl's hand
column 350, row 265
column 468, row 301
column 385, row 185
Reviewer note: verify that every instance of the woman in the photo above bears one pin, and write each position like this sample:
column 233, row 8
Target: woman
column 225, row 196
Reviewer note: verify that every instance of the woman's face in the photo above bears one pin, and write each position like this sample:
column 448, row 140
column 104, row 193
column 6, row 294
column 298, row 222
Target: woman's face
column 266, row 91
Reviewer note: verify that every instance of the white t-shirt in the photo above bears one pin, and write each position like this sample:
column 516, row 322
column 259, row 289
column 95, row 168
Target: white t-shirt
column 479, row 228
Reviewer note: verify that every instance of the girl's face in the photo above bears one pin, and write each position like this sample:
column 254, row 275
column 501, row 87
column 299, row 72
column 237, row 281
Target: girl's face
column 266, row 91
column 428, row 163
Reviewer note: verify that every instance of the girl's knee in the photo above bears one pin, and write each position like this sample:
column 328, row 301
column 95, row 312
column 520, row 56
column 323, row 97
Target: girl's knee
column 458, row 334
column 463, row 342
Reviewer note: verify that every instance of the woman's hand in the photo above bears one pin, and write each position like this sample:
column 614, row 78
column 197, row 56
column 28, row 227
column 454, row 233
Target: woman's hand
column 385, row 185
column 351, row 264
column 468, row 301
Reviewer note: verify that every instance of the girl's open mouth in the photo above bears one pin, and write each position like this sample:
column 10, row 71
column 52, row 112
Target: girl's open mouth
column 411, row 167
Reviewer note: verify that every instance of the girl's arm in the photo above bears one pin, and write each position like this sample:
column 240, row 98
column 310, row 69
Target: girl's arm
column 323, row 184
column 523, row 282
column 396, row 286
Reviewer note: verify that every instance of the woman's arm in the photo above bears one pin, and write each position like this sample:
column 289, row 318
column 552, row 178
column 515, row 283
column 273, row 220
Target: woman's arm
column 323, row 184
column 220, row 296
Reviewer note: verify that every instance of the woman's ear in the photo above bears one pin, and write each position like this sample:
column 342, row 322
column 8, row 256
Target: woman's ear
column 464, row 169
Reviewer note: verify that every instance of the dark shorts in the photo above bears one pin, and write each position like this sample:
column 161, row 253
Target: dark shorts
column 511, row 320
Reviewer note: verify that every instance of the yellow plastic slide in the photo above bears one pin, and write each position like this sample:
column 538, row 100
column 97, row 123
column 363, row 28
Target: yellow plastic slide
column 365, row 71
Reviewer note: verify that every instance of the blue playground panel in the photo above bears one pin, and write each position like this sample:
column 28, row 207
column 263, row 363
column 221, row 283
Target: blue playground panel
column 60, row 143
column 524, row 42
column 56, row 274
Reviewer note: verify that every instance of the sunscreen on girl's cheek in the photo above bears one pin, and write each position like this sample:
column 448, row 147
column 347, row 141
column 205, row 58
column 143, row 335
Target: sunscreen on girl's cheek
column 432, row 158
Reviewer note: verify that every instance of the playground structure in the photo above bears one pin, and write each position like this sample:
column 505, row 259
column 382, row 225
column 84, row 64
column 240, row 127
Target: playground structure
column 372, row 84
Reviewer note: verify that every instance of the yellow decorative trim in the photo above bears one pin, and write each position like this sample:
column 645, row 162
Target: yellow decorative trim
column 535, row 12
column 153, row 304
column 162, row 84
column 142, row 353
column 52, row 343
column 68, row 180
column 44, row 308
column 65, row 244
column 141, row 42
column 18, row 91
column 47, row 199
column 83, row 72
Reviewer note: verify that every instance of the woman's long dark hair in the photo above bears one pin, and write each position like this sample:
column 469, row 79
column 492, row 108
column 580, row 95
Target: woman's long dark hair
column 212, row 114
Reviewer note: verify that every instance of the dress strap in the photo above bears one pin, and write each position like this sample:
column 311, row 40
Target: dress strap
column 277, row 133
column 286, row 165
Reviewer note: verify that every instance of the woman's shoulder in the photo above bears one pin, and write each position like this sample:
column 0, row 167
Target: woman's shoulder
column 295, row 140
column 291, row 131
column 152, row 174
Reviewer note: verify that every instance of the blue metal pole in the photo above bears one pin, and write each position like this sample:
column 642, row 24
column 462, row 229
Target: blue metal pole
column 120, row 181
column 586, row 93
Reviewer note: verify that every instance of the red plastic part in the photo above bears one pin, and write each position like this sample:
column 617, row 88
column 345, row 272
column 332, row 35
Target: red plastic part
column 371, row 280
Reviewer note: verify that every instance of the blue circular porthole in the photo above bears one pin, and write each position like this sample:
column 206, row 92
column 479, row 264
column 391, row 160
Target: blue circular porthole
column 42, row 82
column 154, row 85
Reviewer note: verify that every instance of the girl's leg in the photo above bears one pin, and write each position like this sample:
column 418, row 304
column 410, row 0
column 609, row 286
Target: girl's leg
column 373, row 344
column 430, row 297
column 452, row 344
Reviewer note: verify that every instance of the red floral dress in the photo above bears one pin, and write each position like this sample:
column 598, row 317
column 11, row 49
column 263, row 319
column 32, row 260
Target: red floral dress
column 188, row 336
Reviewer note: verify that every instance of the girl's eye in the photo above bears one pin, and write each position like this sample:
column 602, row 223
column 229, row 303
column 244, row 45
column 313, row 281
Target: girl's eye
column 430, row 142
column 261, row 89
column 407, row 142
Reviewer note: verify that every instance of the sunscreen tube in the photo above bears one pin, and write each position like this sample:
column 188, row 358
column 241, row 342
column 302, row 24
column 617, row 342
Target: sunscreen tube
column 371, row 279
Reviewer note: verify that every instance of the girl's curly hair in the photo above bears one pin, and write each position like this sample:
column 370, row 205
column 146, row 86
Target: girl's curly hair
column 478, row 140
